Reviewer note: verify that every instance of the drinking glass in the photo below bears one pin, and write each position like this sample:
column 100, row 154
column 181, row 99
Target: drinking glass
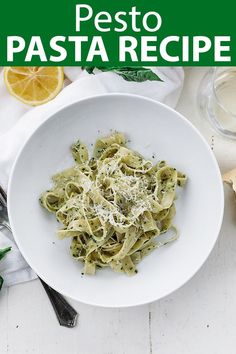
column 217, row 99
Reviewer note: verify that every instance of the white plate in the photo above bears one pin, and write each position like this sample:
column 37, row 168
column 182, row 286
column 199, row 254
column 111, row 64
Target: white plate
column 152, row 128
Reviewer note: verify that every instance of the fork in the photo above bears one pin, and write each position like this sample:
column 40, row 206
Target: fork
column 66, row 314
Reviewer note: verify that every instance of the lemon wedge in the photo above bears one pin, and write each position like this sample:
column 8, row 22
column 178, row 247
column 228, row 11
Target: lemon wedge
column 34, row 85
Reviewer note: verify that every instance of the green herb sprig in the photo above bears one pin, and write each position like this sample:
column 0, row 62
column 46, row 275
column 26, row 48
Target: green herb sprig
column 136, row 73
column 3, row 252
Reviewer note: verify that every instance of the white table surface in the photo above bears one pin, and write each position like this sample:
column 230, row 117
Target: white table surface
column 199, row 318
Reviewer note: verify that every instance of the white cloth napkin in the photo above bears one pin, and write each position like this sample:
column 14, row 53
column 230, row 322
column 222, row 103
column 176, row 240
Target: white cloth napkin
column 18, row 121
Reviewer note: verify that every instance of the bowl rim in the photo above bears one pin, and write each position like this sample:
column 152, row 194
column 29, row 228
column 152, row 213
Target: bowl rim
column 132, row 96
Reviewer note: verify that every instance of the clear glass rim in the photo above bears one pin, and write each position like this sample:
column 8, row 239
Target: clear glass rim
column 215, row 93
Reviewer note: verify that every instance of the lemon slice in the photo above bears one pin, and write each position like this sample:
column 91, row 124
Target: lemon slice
column 34, row 85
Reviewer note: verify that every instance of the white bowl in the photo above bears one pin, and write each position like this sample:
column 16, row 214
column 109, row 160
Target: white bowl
column 152, row 128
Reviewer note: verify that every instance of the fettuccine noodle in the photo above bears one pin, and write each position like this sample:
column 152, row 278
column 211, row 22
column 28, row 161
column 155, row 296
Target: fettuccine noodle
column 114, row 206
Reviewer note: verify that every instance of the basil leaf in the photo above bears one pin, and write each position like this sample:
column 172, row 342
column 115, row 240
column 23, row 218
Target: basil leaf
column 136, row 73
column 1, row 282
column 89, row 69
column 4, row 251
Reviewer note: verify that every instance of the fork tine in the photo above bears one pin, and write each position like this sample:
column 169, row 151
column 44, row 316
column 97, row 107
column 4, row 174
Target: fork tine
column 3, row 195
column 3, row 209
column 2, row 203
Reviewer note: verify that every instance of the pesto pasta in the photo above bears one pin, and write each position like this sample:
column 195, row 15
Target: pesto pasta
column 115, row 207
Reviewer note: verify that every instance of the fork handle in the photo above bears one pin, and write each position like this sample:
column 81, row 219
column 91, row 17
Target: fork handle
column 66, row 314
